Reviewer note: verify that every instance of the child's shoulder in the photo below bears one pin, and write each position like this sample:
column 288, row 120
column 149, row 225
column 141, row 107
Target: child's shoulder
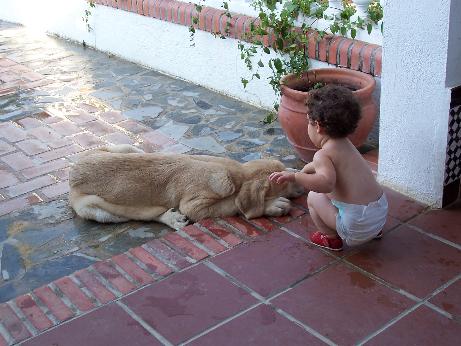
column 323, row 155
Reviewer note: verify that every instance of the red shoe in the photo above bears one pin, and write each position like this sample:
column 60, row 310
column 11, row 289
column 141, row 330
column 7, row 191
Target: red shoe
column 320, row 239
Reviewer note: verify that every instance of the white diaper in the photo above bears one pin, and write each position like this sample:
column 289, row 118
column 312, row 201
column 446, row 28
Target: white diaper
column 357, row 224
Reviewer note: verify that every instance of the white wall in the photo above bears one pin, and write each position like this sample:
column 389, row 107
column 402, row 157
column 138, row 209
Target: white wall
column 454, row 46
column 160, row 45
column 414, row 99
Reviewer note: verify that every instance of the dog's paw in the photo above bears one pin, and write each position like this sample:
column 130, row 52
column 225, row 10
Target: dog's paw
column 174, row 219
column 277, row 207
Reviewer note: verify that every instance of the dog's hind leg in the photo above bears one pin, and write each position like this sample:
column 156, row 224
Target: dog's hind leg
column 87, row 207
column 95, row 208
column 100, row 215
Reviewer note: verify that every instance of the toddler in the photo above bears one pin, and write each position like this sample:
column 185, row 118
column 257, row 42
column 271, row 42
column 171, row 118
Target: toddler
column 345, row 201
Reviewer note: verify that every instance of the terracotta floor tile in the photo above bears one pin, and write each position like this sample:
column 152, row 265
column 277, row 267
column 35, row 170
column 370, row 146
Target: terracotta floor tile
column 93, row 329
column 450, row 299
column 260, row 326
column 402, row 207
column 410, row 260
column 275, row 255
column 188, row 303
column 301, row 226
column 445, row 223
column 422, row 327
column 342, row 304
column 391, row 223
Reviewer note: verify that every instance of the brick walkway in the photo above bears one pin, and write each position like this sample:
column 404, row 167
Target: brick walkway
column 218, row 282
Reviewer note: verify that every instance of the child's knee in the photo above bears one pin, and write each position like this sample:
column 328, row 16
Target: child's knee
column 312, row 196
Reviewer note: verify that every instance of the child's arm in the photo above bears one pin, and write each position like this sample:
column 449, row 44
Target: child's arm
column 323, row 180
column 309, row 168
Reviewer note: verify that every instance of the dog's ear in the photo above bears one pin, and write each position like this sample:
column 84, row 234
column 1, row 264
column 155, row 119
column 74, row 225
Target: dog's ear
column 251, row 197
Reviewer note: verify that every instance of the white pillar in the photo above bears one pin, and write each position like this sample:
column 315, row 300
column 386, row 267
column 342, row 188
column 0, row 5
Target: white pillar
column 415, row 99
column 361, row 6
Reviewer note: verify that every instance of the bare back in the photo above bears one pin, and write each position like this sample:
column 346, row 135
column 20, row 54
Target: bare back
column 355, row 182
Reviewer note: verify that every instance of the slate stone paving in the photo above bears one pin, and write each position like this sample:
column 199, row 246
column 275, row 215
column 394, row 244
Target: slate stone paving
column 58, row 99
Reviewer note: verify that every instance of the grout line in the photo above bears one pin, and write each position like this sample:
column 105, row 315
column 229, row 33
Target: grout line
column 195, row 242
column 216, row 326
column 236, row 282
column 319, row 270
column 124, row 274
column 212, row 235
column 144, row 324
column 6, row 335
column 180, row 251
column 234, row 230
column 305, row 327
column 104, row 282
column 44, row 308
column 141, row 265
column 23, row 318
column 441, row 288
column 57, row 291
column 439, row 310
column 266, row 301
column 162, row 259
column 380, row 280
column 410, row 310
column 85, row 290
column 390, row 323
column 433, row 236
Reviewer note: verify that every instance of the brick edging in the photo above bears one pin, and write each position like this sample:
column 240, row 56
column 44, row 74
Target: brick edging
column 87, row 289
column 336, row 50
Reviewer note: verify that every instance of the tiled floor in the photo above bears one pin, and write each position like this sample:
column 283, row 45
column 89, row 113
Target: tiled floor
column 218, row 282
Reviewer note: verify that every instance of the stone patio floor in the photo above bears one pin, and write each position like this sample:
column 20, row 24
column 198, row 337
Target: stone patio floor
column 66, row 281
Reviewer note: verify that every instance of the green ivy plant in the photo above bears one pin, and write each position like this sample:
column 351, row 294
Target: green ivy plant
column 279, row 18
column 87, row 14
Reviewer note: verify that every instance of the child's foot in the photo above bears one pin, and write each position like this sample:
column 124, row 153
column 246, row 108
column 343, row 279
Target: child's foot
column 322, row 240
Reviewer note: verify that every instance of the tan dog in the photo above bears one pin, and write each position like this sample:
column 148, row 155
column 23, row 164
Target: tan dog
column 121, row 183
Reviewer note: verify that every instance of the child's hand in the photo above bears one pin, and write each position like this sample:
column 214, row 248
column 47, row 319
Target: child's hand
column 282, row 177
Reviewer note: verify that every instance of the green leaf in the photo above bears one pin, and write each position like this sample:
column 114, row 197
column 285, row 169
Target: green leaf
column 244, row 82
column 353, row 32
column 257, row 75
column 369, row 28
column 260, row 63
column 278, row 65
column 266, row 50
column 279, row 43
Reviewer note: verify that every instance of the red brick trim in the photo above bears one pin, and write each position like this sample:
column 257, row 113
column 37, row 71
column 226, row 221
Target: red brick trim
column 88, row 289
column 336, row 50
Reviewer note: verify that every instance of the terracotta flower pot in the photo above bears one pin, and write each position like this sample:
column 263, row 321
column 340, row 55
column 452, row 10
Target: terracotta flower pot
column 292, row 110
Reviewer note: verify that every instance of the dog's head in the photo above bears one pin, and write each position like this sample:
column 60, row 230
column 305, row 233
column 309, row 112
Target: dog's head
column 257, row 188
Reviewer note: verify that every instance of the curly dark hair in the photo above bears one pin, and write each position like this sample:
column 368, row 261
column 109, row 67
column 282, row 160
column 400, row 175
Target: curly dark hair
column 335, row 108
